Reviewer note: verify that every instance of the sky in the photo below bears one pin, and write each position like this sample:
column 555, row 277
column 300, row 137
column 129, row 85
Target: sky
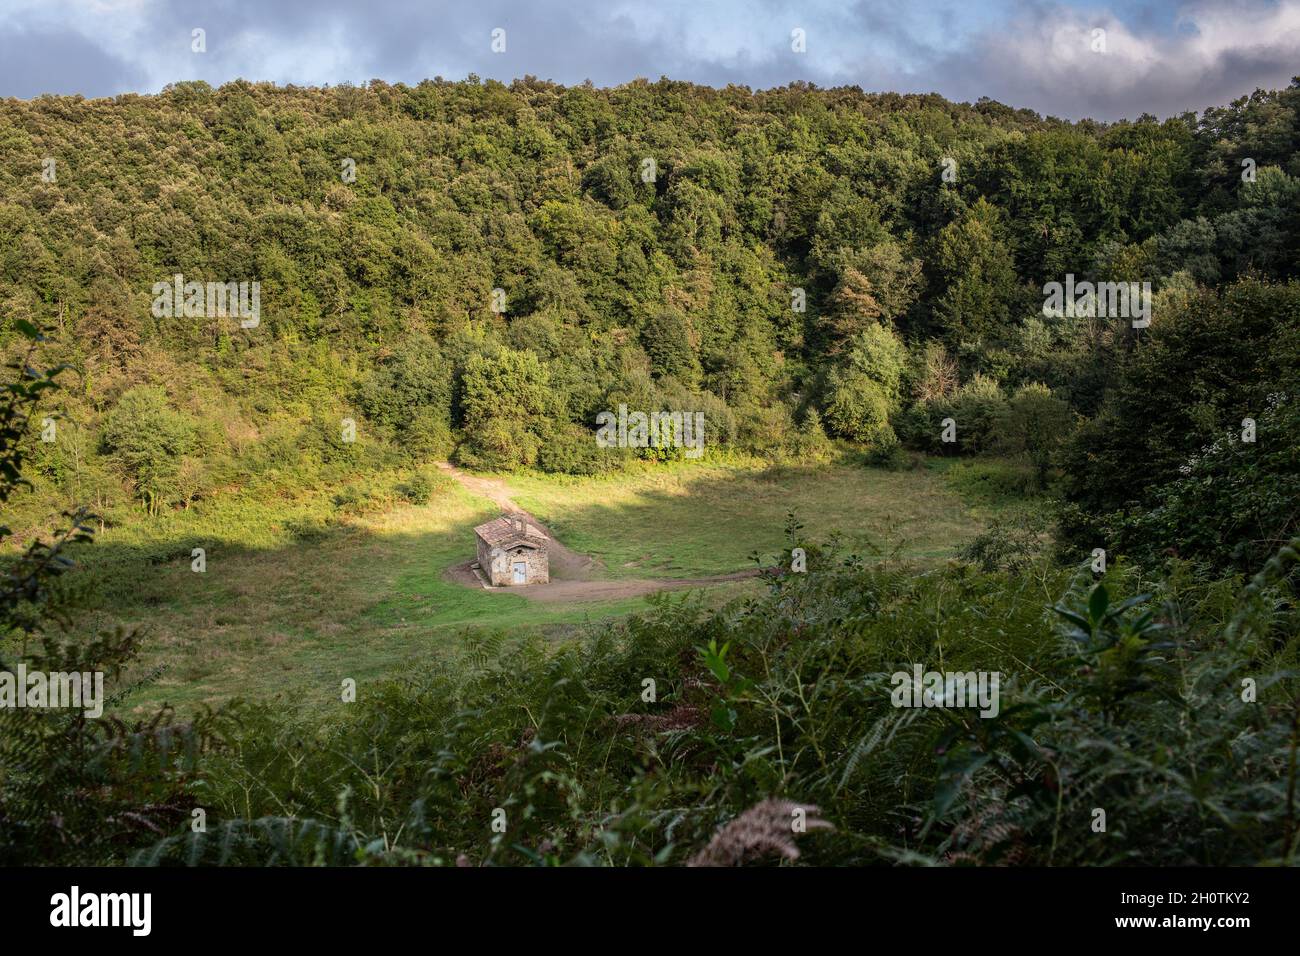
column 1154, row 56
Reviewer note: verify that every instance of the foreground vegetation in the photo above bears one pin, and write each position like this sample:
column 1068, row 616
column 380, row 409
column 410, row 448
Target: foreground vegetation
column 1133, row 707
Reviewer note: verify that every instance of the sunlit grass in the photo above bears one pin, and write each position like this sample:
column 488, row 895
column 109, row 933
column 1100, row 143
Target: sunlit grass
column 686, row 521
column 278, row 614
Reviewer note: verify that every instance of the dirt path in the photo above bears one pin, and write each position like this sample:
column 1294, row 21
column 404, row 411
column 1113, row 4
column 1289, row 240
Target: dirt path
column 565, row 563
column 574, row 576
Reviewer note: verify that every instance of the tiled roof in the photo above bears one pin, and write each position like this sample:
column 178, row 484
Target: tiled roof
column 500, row 533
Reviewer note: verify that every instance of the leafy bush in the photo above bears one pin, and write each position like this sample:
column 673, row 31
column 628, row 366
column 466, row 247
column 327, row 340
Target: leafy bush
column 360, row 497
column 308, row 528
column 411, row 394
column 857, row 408
column 506, row 400
column 1038, row 424
column 888, row 453
column 572, row 449
column 1157, row 731
column 1210, row 360
column 812, row 444
column 863, row 392
column 1010, row 543
column 992, row 480
column 980, row 410
column 1234, row 503
column 666, row 337
column 921, row 427
column 149, row 438
column 417, row 489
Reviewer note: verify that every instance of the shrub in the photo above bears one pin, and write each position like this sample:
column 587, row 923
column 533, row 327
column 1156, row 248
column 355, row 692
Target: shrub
column 920, row 426
column 149, row 439
column 993, row 480
column 1010, row 543
column 426, row 435
column 858, row 407
column 982, row 416
column 417, row 489
column 887, row 453
column 309, row 528
column 767, row 429
column 811, row 444
column 1038, row 424
column 572, row 449
column 507, row 403
column 666, row 338
column 1233, row 504
column 410, row 393
column 358, row 498
column 500, row 445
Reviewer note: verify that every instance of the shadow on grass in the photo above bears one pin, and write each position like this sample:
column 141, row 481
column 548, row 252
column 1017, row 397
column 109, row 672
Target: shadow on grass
column 370, row 597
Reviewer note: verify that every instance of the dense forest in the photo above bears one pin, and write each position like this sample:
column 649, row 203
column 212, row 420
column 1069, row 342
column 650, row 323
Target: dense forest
column 796, row 264
column 475, row 271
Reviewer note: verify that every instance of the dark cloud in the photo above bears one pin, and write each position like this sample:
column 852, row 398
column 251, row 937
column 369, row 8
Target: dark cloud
column 39, row 61
column 1211, row 54
column 1161, row 57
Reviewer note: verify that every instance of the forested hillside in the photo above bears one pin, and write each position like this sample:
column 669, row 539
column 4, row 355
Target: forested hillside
column 796, row 264
column 475, row 272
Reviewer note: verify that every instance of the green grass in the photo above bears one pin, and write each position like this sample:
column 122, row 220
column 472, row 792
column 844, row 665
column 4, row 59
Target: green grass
column 683, row 520
column 279, row 614
column 364, row 601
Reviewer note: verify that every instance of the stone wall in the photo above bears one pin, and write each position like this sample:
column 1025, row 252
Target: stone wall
column 502, row 574
column 538, row 564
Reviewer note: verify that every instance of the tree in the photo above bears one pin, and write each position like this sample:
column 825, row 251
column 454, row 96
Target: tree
column 852, row 307
column 976, row 271
column 857, row 407
column 878, row 283
column 149, row 439
column 1210, row 360
column 1039, row 423
column 937, row 375
column 666, row 337
column 411, row 394
column 865, row 390
column 506, row 400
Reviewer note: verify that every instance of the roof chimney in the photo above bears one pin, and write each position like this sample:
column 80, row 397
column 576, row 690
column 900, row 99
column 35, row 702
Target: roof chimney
column 517, row 522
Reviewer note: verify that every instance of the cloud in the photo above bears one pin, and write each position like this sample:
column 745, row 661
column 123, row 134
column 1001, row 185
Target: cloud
column 1159, row 56
column 36, row 61
column 1048, row 59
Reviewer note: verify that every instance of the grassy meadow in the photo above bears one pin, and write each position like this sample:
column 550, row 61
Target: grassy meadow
column 682, row 521
column 296, row 597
